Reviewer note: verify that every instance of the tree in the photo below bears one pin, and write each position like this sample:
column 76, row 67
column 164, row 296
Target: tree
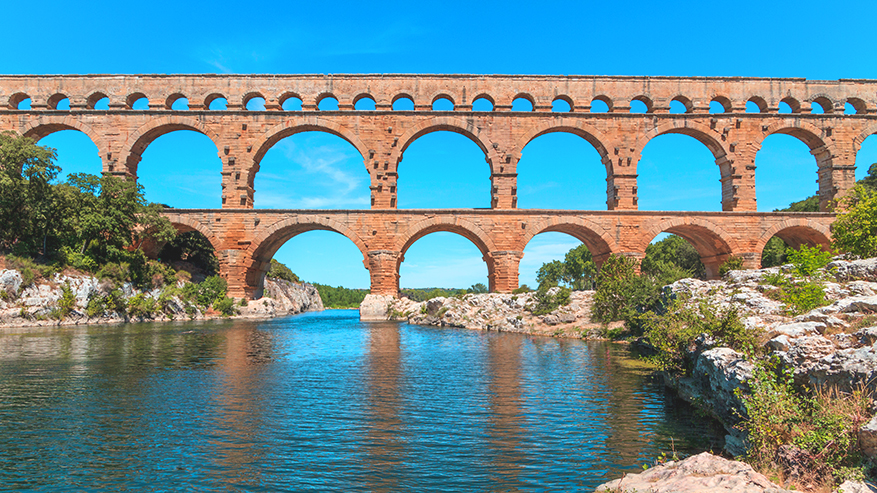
column 281, row 271
column 577, row 271
column 672, row 251
column 855, row 230
column 478, row 288
column 27, row 204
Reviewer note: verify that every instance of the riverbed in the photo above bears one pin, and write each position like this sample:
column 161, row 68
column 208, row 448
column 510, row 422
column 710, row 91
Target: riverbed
column 324, row 402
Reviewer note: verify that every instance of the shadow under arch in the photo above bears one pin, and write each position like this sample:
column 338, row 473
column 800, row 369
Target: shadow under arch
column 797, row 232
column 598, row 241
column 713, row 244
column 45, row 126
column 467, row 128
column 146, row 134
column 269, row 240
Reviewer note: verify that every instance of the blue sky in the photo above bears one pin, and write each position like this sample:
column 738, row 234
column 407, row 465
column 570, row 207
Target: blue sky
column 316, row 170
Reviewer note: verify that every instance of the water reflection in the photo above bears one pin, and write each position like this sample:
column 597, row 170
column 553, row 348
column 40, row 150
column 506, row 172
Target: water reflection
column 325, row 402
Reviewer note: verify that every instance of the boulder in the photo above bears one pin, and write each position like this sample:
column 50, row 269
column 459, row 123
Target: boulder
column 868, row 438
column 10, row 281
column 704, row 473
column 850, row 486
column 374, row 307
column 844, row 270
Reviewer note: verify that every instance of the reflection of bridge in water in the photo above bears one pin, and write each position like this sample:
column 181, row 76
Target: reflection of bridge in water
column 245, row 239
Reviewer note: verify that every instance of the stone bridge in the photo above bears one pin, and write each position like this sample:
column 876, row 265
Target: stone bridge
column 103, row 107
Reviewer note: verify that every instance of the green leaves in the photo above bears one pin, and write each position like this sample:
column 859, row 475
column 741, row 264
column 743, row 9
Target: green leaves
column 578, row 270
column 855, row 231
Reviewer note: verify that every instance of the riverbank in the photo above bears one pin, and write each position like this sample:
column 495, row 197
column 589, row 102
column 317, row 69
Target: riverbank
column 68, row 299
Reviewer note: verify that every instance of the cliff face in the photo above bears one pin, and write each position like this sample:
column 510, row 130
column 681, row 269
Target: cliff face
column 284, row 298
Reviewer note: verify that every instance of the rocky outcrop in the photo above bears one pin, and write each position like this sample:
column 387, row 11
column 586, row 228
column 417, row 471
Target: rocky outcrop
column 703, row 473
column 489, row 311
column 38, row 303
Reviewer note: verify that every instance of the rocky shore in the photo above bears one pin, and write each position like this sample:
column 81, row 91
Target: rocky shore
column 831, row 346
column 37, row 304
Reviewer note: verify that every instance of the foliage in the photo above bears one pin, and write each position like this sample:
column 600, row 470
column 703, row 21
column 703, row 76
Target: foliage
column 67, row 302
column 803, row 291
column 205, row 293
column 823, row 424
column 774, row 253
column 622, row 294
column 195, row 248
column 281, row 271
column 141, row 306
column 522, row 289
column 810, row 204
column 733, row 263
column 673, row 332
column 225, row 306
column 423, row 294
column 478, row 288
column 577, row 271
column 545, row 301
column 673, row 252
column 340, row 297
column 855, row 230
column 806, row 261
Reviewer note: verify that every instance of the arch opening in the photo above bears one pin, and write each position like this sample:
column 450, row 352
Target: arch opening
column 601, row 104
column 77, row 153
column 789, row 105
column 218, row 104
column 482, row 103
column 720, row 104
column 364, row 102
column 443, row 167
column 311, row 169
column 137, row 101
column 821, row 105
column 522, row 103
column 775, row 250
column 442, row 103
column 781, row 173
column 561, row 104
column 855, row 106
column 712, row 250
column 19, row 101
column 290, row 102
column 97, row 101
column 866, row 157
column 671, row 257
column 681, row 104
column 641, row 104
column 189, row 251
column 558, row 258
column 756, row 104
column 180, row 104
column 678, row 172
column 403, row 102
column 179, row 167
column 445, row 257
column 58, row 102
column 562, row 169
column 327, row 102
column 255, row 103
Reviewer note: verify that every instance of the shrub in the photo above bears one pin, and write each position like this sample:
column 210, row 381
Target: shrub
column 855, row 230
column 96, row 306
column 141, row 306
column 211, row 290
column 116, row 272
column 545, row 302
column 806, row 261
column 67, row 301
column 613, row 282
column 281, row 271
column 733, row 263
column 523, row 289
column 822, row 424
column 225, row 306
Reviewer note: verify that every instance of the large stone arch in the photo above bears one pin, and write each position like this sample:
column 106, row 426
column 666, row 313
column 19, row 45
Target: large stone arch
column 804, row 131
column 305, row 124
column 185, row 222
column 466, row 128
column 599, row 242
column 867, row 132
column 450, row 224
column 796, row 232
column 577, row 127
column 703, row 133
column 140, row 139
column 266, row 243
column 47, row 125
column 712, row 242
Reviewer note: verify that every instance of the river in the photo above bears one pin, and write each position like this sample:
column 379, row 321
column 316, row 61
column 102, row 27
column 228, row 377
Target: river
column 324, row 402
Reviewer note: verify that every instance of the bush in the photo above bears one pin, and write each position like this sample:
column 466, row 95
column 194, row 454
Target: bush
column 855, row 231
column 733, row 263
column 281, row 271
column 545, row 302
column 523, row 289
column 96, row 306
column 822, row 425
column 119, row 273
column 225, row 306
column 806, row 261
column 141, row 306
column 67, row 302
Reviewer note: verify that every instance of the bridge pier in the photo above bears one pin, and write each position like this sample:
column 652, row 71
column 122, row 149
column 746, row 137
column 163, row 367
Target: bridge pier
column 383, row 268
column 502, row 270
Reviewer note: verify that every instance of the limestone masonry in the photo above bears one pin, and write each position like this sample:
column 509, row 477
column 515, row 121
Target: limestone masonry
column 246, row 239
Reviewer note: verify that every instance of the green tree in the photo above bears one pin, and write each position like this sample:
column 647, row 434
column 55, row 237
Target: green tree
column 774, row 253
column 478, row 288
column 662, row 256
column 855, row 230
column 577, row 271
column 550, row 274
column 281, row 271
column 27, row 202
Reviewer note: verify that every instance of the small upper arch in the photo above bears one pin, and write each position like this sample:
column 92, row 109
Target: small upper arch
column 723, row 101
column 92, row 100
column 362, row 95
column 485, row 97
column 527, row 98
column 603, row 99
column 794, row 104
column 326, row 97
column 16, row 99
column 54, row 99
column 133, row 98
column 759, row 102
column 684, row 101
column 647, row 101
column 566, row 99
column 825, row 103
column 250, row 96
column 170, row 100
column 858, row 105
column 287, row 96
column 212, row 97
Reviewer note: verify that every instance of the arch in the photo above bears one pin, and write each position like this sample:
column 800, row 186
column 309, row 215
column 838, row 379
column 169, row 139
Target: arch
column 169, row 102
column 860, row 139
column 402, row 95
column 486, row 97
column 449, row 224
column 270, row 239
column 143, row 136
column 363, row 95
column 796, row 232
column 803, row 131
column 16, row 99
column 713, row 243
column 605, row 100
column 133, row 98
column 724, row 101
column 650, row 105
column 213, row 97
column 44, row 126
column 94, row 98
column 598, row 241
column 284, row 97
column 527, row 97
column 824, row 102
column 322, row 97
column 859, row 105
column 447, row 123
column 308, row 124
column 685, row 101
column 566, row 99
column 249, row 97
column 577, row 127
column 442, row 95
column 759, row 102
column 54, row 99
column 704, row 134
column 794, row 104
column 184, row 222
